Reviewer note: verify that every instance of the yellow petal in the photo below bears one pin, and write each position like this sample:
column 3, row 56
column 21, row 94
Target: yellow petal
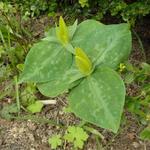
column 83, row 63
column 62, row 31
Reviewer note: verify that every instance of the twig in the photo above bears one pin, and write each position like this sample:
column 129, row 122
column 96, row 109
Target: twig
column 48, row 102
column 145, row 146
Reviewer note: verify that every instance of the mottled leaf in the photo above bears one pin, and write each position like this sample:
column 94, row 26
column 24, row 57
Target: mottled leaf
column 104, row 44
column 45, row 62
column 66, row 81
column 99, row 99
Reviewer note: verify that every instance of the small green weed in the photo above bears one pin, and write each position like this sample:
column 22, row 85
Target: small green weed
column 139, row 104
column 55, row 141
column 74, row 135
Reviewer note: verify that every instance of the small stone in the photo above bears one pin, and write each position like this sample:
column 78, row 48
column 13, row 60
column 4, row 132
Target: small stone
column 31, row 126
column 44, row 139
column 31, row 137
column 141, row 142
column 136, row 145
column 131, row 136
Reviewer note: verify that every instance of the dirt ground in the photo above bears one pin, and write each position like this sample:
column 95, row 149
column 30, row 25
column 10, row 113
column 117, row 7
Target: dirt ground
column 27, row 135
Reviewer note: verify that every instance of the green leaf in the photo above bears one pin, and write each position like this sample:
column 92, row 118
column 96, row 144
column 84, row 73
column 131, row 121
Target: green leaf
column 66, row 81
column 83, row 62
column 146, row 68
column 46, row 61
column 20, row 67
column 72, row 29
column 104, row 44
column 145, row 134
column 55, row 141
column 99, row 99
column 35, row 107
column 8, row 110
column 76, row 135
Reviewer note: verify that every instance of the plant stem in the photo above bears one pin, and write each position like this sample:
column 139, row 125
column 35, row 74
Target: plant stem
column 17, row 93
column 3, row 41
column 10, row 25
column 94, row 131
column 38, row 120
column 9, row 43
column 140, row 43
column 99, row 146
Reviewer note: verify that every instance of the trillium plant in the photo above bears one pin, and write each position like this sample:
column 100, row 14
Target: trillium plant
column 81, row 59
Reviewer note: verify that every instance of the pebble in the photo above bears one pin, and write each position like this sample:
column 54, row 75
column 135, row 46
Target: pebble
column 31, row 137
column 136, row 145
column 31, row 126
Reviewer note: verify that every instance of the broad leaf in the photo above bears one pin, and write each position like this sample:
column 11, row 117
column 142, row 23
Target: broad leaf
column 72, row 29
column 48, row 59
column 66, row 81
column 45, row 62
column 105, row 44
column 99, row 99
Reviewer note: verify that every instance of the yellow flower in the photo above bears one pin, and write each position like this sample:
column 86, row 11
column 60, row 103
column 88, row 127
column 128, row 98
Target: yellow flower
column 83, row 63
column 122, row 67
column 62, row 32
